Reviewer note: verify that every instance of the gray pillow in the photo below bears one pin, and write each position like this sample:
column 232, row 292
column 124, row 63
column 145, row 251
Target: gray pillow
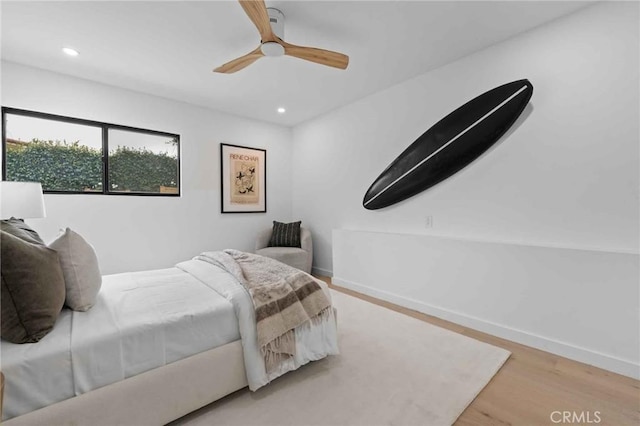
column 80, row 268
column 285, row 234
column 18, row 228
column 32, row 290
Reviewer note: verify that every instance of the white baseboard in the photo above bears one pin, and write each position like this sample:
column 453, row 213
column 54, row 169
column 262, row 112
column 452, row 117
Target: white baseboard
column 321, row 271
column 576, row 353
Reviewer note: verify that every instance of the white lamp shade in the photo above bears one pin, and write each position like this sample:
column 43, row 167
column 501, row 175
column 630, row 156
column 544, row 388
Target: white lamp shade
column 22, row 200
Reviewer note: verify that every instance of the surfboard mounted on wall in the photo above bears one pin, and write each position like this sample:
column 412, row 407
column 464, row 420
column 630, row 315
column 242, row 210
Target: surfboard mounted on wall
column 450, row 145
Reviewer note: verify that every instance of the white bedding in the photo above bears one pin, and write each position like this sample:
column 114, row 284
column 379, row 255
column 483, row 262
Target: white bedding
column 140, row 321
column 313, row 341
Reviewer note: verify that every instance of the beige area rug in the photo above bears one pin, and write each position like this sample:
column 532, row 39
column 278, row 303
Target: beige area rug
column 392, row 370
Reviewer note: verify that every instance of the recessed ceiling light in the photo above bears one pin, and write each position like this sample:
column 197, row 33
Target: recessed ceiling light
column 69, row 51
column 281, row 110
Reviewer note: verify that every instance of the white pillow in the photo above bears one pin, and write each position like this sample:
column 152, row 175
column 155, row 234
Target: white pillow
column 80, row 269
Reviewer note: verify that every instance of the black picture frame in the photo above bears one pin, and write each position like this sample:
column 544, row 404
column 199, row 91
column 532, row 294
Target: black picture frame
column 243, row 179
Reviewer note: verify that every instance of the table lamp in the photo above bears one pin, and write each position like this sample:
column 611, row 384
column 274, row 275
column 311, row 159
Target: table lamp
column 22, row 200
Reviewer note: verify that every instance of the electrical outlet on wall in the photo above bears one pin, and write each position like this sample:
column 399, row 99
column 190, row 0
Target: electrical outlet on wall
column 428, row 222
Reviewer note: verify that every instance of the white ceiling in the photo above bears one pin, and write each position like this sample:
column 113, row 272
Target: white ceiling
column 170, row 48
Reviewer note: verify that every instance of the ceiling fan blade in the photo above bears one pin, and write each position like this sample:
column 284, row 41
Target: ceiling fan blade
column 319, row 56
column 241, row 62
column 257, row 12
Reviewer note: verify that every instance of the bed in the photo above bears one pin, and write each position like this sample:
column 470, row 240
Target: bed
column 155, row 346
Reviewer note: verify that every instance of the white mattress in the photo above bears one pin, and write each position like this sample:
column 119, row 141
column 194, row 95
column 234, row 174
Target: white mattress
column 142, row 320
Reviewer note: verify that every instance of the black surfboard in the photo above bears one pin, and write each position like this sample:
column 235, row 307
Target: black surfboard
column 450, row 145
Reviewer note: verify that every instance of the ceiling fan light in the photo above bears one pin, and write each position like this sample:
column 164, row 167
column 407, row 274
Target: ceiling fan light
column 271, row 48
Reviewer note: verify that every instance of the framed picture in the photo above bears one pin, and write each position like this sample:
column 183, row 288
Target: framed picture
column 243, row 177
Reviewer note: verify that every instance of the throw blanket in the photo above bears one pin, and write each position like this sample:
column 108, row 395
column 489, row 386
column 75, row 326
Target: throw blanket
column 283, row 298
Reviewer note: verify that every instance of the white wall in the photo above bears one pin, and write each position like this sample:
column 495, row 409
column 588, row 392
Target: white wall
column 580, row 304
column 565, row 175
column 136, row 233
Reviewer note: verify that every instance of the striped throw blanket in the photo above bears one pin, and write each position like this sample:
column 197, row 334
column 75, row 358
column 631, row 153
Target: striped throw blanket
column 283, row 297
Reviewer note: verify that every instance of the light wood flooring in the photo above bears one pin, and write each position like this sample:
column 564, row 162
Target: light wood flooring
column 533, row 384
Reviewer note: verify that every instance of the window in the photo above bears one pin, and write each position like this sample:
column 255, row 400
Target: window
column 71, row 155
column 142, row 162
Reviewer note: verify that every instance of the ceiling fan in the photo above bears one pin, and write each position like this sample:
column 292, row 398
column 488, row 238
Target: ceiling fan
column 270, row 25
